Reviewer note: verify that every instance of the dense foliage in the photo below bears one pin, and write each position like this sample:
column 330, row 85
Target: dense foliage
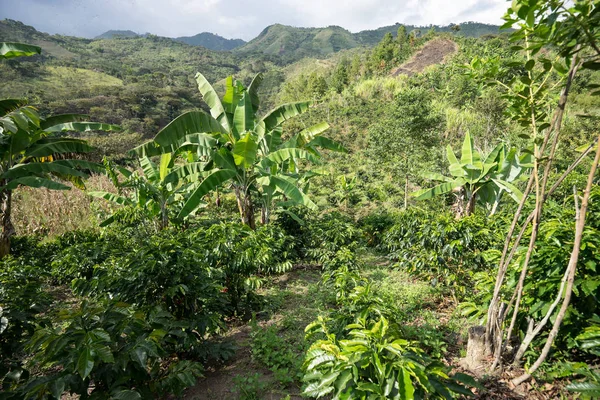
column 288, row 240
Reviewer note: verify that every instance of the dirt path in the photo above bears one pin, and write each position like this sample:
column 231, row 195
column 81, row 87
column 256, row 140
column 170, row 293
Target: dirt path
column 293, row 309
column 434, row 52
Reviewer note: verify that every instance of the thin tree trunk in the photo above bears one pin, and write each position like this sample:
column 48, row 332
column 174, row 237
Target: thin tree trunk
column 494, row 326
column 8, row 230
column 406, row 192
column 572, row 268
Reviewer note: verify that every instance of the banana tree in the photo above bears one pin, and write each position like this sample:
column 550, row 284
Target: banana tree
column 32, row 154
column 241, row 148
column 160, row 187
column 474, row 177
column 32, row 150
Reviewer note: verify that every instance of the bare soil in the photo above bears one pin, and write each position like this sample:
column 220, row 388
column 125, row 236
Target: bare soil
column 434, row 52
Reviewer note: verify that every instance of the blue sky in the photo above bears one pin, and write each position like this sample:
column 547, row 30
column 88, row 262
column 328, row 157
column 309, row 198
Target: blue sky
column 239, row 18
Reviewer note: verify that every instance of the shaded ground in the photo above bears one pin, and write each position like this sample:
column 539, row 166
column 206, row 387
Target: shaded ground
column 295, row 299
column 434, row 52
column 292, row 302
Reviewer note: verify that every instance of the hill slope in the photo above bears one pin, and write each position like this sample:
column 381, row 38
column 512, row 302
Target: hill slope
column 292, row 43
column 211, row 41
column 116, row 33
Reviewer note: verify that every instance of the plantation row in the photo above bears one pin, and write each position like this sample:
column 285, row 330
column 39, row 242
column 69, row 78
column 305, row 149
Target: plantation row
column 234, row 231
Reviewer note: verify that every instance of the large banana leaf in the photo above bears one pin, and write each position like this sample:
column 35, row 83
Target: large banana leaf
column 10, row 105
column 223, row 159
column 310, row 133
column 35, row 182
column 49, row 146
column 442, row 188
column 233, row 94
column 253, row 91
column 469, row 155
column 187, row 171
column 40, row 168
column 211, row 182
column 292, row 192
column 244, row 150
column 211, row 98
column 455, row 167
column 11, row 50
column 326, row 143
column 84, row 165
column 511, row 189
column 113, row 198
column 165, row 165
column 149, row 169
column 279, row 156
column 436, row 177
column 149, row 149
column 200, row 143
column 281, row 114
column 49, row 122
column 83, row 127
column 186, row 124
column 272, row 140
column 495, row 155
column 243, row 117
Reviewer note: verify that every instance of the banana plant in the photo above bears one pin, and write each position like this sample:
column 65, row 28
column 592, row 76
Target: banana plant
column 160, row 187
column 240, row 148
column 475, row 177
column 32, row 154
column 33, row 151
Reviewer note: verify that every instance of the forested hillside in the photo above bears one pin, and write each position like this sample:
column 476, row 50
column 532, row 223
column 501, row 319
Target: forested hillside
column 402, row 213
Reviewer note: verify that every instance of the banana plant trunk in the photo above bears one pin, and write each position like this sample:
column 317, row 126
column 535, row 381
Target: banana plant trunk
column 164, row 216
column 244, row 201
column 471, row 204
column 265, row 215
column 8, row 229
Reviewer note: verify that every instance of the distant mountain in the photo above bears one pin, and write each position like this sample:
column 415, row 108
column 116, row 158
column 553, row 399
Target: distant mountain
column 293, row 43
column 205, row 39
column 115, row 34
column 211, row 41
column 469, row 29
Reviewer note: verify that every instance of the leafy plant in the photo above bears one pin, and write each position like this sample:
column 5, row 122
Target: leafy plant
column 123, row 351
column 492, row 175
column 249, row 387
column 371, row 360
column 242, row 148
column 31, row 151
column 157, row 191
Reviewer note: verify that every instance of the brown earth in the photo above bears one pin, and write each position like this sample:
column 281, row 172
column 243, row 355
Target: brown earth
column 434, row 52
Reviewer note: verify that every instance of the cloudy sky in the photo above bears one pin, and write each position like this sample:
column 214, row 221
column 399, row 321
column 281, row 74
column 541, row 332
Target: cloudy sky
column 239, row 18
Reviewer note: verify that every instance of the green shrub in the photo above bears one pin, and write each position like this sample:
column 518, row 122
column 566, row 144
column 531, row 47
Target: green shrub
column 111, row 350
column 442, row 249
column 22, row 301
column 371, row 360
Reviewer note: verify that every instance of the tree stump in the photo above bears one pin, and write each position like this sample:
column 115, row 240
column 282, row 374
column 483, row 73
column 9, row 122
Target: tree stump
column 476, row 351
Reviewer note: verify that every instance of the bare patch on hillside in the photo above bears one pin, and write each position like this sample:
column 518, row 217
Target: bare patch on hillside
column 434, row 52
column 53, row 49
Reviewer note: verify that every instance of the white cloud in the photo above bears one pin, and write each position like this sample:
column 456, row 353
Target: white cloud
column 239, row 18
